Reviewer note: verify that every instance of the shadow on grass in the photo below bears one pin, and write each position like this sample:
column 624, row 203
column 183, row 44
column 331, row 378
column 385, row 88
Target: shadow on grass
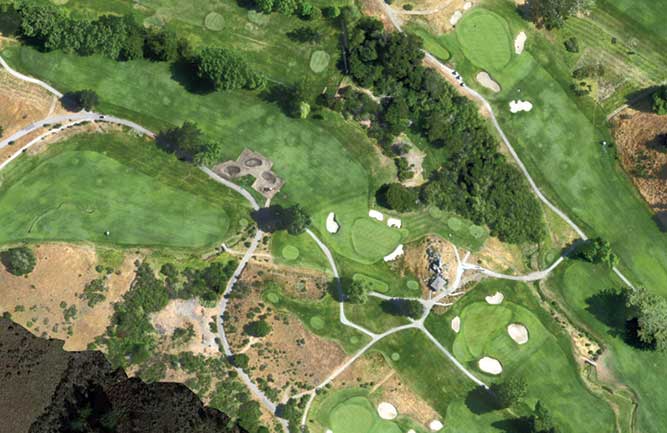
column 184, row 72
column 480, row 401
column 641, row 100
column 516, row 425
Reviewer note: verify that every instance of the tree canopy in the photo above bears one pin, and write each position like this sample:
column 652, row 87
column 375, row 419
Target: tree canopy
column 81, row 100
column 509, row 393
column 294, row 219
column 225, row 70
column 19, row 260
column 356, row 292
column 660, row 100
column 650, row 311
column 258, row 328
column 597, row 250
column 553, row 13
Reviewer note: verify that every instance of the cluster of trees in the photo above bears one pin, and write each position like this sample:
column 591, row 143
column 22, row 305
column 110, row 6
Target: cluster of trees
column 301, row 8
column 81, row 100
column 189, row 143
column 553, row 13
column 50, row 27
column 588, row 71
column 294, row 219
column 305, row 34
column 207, row 283
column 474, row 179
column 597, row 250
column 355, row 292
column 648, row 318
column 258, row 328
column 18, row 261
column 660, row 100
column 510, row 392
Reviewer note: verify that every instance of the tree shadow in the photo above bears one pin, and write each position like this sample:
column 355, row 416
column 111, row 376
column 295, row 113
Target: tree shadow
column 70, row 102
column 335, row 288
column 631, row 336
column 608, row 306
column 184, row 72
column 640, row 100
column 480, row 401
column 381, row 196
column 658, row 143
column 514, row 425
column 281, row 95
column 660, row 219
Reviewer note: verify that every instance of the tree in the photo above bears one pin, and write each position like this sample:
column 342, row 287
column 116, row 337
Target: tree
column 275, row 218
column 265, row 6
column 258, row 328
column 396, row 116
column 81, row 100
column 572, row 45
column 298, row 220
column 161, row 45
column 239, row 360
column 660, row 101
column 597, row 250
column 509, row 393
column 19, row 260
column 650, row 311
column 225, row 70
column 305, row 34
column 356, row 292
column 541, row 421
column 401, row 198
column 185, row 141
column 286, row 7
column 551, row 13
column 209, row 154
column 249, row 416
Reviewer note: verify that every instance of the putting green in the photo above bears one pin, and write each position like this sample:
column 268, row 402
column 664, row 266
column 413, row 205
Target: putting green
column 395, row 356
column 412, row 285
column 319, row 61
column 214, row 22
column 372, row 239
column 273, row 298
column 477, row 231
column 373, row 284
column 290, row 252
column 317, row 322
column 357, row 415
column 455, row 223
column 485, row 39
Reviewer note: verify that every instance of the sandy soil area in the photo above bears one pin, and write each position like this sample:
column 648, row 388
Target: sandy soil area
column 417, row 262
column 180, row 313
column 61, row 273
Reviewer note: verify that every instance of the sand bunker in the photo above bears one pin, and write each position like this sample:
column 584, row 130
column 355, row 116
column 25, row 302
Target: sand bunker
column 467, row 5
column 518, row 332
column 435, row 425
column 485, row 80
column 411, row 431
column 516, row 106
column 519, row 42
column 387, row 410
column 332, row 225
column 490, row 365
column 455, row 18
column 456, row 324
column 376, row 215
column 394, row 254
column 495, row 299
column 394, row 222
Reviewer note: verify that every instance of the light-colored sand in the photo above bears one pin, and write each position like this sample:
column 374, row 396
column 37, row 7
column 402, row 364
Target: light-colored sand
column 467, row 5
column 516, row 106
column 394, row 222
column 455, row 18
column 496, row 299
column 376, row 215
column 435, row 425
column 411, row 431
column 398, row 251
column 485, row 80
column 387, row 411
column 456, row 324
column 332, row 225
column 490, row 365
column 519, row 42
column 518, row 333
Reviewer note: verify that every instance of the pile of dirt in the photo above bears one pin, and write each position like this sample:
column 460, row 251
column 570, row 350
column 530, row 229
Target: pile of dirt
column 642, row 144
column 48, row 390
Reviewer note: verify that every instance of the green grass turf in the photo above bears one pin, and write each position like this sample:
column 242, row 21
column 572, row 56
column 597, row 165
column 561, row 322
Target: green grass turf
column 319, row 317
column 372, row 239
column 559, row 141
column 310, row 255
column 643, row 18
column 89, row 184
column 319, row 61
column 546, row 361
column 371, row 316
column 373, row 284
column 356, row 415
column 581, row 288
column 432, row 43
column 485, row 39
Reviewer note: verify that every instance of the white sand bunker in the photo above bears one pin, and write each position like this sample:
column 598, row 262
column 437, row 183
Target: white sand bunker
column 455, row 18
column 456, row 324
column 496, row 299
column 376, row 215
column 516, row 106
column 435, row 425
column 485, row 80
column 394, row 222
column 411, row 431
column 519, row 42
column 490, row 365
column 394, row 254
column 467, row 5
column 518, row 332
column 387, row 410
column 332, row 225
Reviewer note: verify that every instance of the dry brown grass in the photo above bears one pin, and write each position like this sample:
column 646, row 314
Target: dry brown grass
column 61, row 273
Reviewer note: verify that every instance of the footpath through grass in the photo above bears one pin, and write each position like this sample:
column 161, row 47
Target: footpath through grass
column 93, row 183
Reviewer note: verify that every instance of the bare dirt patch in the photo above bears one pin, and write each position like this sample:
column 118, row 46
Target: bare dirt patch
column 499, row 256
column 40, row 300
column 301, row 283
column 23, row 103
column 190, row 314
column 417, row 261
column 436, row 15
column 642, row 144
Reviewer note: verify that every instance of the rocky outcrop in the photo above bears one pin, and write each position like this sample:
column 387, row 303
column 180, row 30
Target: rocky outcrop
column 47, row 390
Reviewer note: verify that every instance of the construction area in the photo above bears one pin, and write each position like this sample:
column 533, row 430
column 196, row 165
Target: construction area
column 253, row 164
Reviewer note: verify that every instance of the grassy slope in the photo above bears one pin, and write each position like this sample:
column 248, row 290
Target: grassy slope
column 546, row 361
column 579, row 287
column 79, row 189
column 560, row 143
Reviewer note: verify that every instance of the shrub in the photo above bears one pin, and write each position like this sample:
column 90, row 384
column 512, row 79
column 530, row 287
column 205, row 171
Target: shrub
column 258, row 328
column 223, row 69
column 597, row 250
column 18, row 261
column 572, row 45
column 660, row 100
column 401, row 198
column 81, row 100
